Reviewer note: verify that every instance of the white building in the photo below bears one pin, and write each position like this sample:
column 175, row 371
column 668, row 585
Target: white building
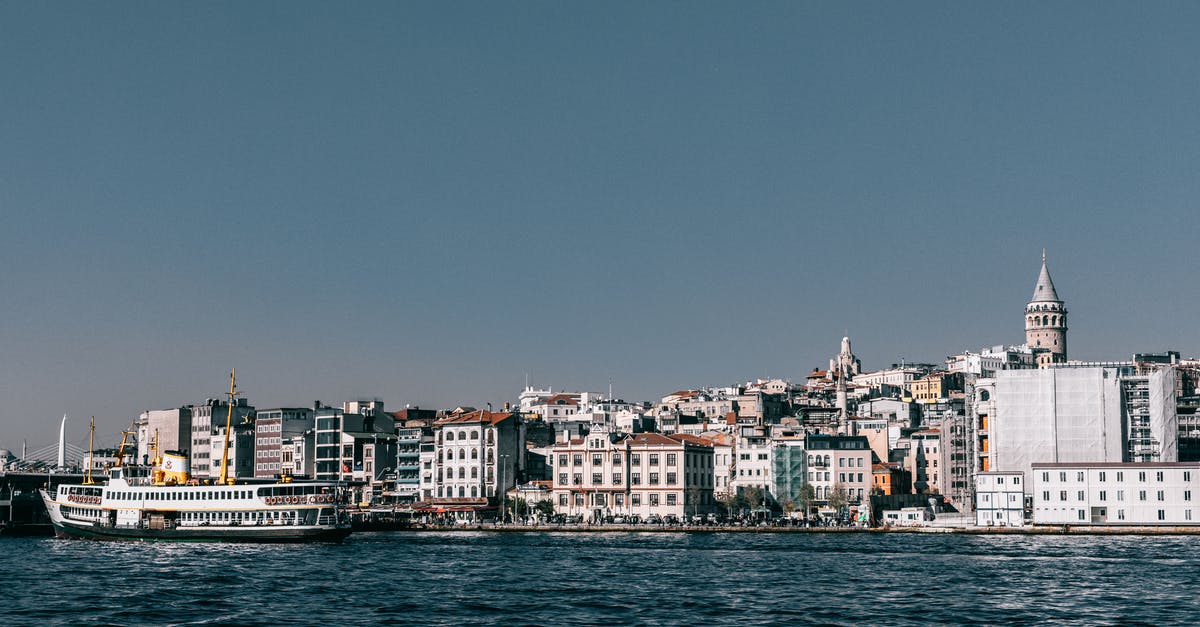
column 999, row 499
column 1081, row 413
column 1139, row 494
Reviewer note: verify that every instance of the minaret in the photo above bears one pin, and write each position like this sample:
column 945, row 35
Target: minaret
column 1046, row 321
column 844, row 366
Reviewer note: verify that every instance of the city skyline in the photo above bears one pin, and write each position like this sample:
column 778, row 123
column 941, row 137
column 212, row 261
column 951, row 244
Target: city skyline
column 426, row 204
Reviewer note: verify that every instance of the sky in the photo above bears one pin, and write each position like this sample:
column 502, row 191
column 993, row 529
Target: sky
column 429, row 202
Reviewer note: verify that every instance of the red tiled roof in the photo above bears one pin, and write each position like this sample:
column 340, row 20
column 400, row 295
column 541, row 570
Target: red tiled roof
column 481, row 416
column 563, row 399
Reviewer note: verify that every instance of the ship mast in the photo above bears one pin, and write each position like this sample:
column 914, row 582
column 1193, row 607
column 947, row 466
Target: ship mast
column 124, row 441
column 91, row 458
column 228, row 426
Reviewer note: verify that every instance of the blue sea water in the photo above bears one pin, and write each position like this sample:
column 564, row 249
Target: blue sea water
column 489, row 578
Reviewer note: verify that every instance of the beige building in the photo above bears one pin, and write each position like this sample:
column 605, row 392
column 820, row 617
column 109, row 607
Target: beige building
column 608, row 474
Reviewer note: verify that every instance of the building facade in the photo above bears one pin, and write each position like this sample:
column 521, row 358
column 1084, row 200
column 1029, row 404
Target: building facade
column 1115, row 494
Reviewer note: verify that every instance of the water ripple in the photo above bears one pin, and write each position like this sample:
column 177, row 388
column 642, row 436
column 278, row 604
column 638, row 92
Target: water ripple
column 485, row 578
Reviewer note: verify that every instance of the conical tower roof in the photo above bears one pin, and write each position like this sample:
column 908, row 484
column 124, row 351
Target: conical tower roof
column 1044, row 291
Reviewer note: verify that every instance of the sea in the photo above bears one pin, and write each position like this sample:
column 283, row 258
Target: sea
column 565, row 578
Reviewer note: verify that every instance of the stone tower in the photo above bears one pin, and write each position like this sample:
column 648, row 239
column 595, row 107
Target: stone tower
column 1046, row 322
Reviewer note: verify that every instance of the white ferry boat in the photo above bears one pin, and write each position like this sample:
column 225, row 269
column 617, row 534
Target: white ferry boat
column 139, row 508
column 164, row 503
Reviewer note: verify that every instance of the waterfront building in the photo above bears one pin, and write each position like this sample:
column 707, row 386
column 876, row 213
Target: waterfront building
column 272, row 427
column 722, row 444
column 241, row 451
column 999, row 499
column 839, row 462
column 296, row 455
column 166, row 430
column 205, row 419
column 478, row 455
column 1111, row 412
column 790, row 470
column 1115, row 494
column 408, row 463
column 890, row 478
column 619, row 474
column 752, row 465
column 358, row 447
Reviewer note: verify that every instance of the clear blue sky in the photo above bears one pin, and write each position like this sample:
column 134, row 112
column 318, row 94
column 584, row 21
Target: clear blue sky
column 424, row 202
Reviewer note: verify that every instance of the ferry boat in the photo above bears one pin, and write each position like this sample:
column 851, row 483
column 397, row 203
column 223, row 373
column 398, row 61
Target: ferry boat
column 163, row 502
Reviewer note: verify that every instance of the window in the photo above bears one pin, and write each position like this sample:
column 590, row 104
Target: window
column 841, row 462
column 653, row 459
column 619, row 500
column 597, row 459
column 635, row 478
column 1080, row 514
column 1045, row 477
column 1141, row 495
column 562, row 478
column 1187, row 495
column 1158, row 476
column 1161, row 496
column 616, row 459
column 671, row 499
column 1187, row 475
column 562, row 460
column 1162, row 514
column 1062, row 476
column 670, row 459
column 577, row 459
column 654, row 478
column 1079, row 495
column 635, row 500
column 1102, row 476
column 1062, row 495
column 1046, row 495
column 671, row 478
column 1103, row 495
column 1121, row 477
column 653, row 500
column 577, row 479
column 1079, row 476
column 1120, row 495
column 1142, row 476
column 616, row 478
column 1120, row 514
column 635, row 458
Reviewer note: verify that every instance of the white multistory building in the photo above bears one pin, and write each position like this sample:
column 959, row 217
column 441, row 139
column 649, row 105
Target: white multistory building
column 1116, row 494
column 999, row 499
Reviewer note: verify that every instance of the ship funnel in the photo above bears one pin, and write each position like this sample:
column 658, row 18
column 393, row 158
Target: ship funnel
column 174, row 469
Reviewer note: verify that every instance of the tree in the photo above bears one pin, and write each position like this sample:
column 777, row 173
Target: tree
column 519, row 508
column 838, row 499
column 808, row 494
column 693, row 497
column 728, row 500
column 754, row 498
column 788, row 505
column 544, row 508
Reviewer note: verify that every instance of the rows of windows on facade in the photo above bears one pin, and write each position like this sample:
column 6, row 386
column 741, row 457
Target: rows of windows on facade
column 906, row 429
